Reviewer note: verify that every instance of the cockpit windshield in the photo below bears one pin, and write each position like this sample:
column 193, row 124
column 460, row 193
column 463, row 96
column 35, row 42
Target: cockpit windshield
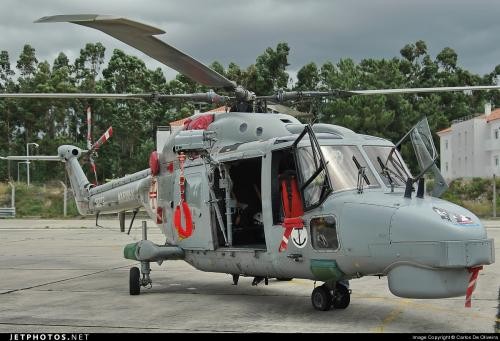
column 389, row 164
column 343, row 164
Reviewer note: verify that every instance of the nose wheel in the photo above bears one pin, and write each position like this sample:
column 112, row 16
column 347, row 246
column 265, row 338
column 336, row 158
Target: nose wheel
column 323, row 298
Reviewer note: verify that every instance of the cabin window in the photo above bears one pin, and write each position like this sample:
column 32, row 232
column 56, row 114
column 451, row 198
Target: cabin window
column 324, row 233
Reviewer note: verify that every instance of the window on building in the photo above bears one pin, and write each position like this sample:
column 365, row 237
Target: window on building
column 446, row 144
column 496, row 161
column 446, row 166
column 465, row 138
column 496, row 134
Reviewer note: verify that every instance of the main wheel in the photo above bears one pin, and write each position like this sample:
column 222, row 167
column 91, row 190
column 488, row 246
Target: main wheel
column 341, row 297
column 134, row 281
column 321, row 298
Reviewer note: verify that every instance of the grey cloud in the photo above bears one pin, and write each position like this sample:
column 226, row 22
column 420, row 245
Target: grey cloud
column 239, row 31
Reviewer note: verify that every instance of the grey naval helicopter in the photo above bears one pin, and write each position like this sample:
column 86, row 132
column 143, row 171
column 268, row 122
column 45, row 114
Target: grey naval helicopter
column 257, row 194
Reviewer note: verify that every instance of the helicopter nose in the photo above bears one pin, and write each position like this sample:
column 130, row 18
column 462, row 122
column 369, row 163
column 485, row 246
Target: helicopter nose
column 435, row 220
column 435, row 245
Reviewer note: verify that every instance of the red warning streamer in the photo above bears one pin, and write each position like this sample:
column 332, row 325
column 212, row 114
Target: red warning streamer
column 289, row 224
column 474, row 272
column 187, row 231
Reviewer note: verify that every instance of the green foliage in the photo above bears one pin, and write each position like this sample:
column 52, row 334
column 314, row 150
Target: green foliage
column 54, row 122
column 475, row 194
column 45, row 201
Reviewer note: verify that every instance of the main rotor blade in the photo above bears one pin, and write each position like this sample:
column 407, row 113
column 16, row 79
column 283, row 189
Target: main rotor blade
column 421, row 90
column 76, row 95
column 282, row 96
column 141, row 37
column 207, row 97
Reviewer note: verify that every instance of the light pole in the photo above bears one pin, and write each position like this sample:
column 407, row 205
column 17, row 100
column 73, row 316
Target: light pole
column 27, row 161
column 20, row 162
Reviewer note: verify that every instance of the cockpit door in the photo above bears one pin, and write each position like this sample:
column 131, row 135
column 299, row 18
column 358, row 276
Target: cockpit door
column 315, row 184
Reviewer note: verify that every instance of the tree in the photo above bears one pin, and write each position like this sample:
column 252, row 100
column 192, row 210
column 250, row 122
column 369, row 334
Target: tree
column 308, row 77
column 27, row 62
column 6, row 72
column 270, row 67
column 88, row 65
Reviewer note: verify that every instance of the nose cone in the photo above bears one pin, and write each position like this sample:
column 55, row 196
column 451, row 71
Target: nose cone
column 432, row 219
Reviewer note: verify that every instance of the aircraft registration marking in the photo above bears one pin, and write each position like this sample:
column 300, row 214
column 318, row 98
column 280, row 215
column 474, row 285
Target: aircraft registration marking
column 99, row 201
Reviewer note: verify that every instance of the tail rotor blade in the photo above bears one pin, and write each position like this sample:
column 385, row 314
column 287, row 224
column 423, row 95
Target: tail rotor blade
column 102, row 139
column 89, row 131
column 94, row 170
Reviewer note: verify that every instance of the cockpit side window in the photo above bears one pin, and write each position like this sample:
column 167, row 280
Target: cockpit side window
column 389, row 164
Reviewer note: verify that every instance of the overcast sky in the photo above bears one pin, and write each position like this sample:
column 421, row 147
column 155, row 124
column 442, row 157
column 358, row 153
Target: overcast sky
column 239, row 31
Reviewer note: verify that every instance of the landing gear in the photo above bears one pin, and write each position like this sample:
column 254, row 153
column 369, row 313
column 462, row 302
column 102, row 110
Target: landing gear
column 323, row 297
column 135, row 280
column 259, row 279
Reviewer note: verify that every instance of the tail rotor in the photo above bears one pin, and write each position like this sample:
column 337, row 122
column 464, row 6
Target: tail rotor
column 93, row 147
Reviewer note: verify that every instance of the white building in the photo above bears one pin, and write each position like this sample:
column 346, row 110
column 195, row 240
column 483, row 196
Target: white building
column 471, row 146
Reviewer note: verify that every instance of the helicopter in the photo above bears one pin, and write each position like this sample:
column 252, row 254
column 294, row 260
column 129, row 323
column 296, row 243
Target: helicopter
column 250, row 193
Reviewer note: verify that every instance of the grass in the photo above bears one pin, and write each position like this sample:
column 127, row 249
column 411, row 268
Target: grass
column 45, row 201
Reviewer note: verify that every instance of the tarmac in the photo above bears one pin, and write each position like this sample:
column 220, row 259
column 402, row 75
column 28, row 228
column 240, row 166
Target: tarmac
column 69, row 276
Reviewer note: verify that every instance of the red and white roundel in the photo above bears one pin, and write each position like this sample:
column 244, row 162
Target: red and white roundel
column 153, row 193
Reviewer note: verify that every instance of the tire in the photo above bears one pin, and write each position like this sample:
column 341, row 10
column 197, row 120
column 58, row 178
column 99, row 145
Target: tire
column 341, row 297
column 321, row 298
column 134, row 281
column 284, row 279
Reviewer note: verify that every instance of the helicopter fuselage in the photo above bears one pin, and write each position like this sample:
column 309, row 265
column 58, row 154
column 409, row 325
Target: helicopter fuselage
column 364, row 225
